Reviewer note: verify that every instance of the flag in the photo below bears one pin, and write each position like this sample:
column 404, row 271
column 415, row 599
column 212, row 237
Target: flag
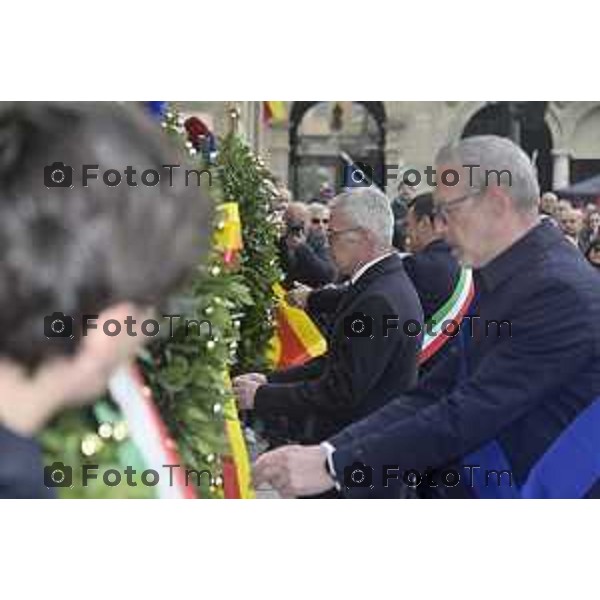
column 274, row 111
column 237, row 479
column 297, row 339
column 228, row 235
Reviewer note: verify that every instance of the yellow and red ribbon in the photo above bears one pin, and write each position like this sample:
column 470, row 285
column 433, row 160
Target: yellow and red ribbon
column 297, row 338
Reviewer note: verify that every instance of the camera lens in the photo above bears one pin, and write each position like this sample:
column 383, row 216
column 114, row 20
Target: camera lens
column 358, row 476
column 57, row 329
column 57, row 176
column 358, row 328
column 57, row 476
column 358, row 176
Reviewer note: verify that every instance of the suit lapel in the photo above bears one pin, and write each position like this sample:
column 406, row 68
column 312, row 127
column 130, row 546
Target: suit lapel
column 386, row 266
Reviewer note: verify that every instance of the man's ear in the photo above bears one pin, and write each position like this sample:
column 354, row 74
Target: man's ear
column 424, row 225
column 440, row 226
column 499, row 201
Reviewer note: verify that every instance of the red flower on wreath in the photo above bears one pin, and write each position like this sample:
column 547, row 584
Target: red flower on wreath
column 196, row 130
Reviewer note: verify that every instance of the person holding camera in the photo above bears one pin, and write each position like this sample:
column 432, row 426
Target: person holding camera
column 70, row 250
column 302, row 260
column 371, row 356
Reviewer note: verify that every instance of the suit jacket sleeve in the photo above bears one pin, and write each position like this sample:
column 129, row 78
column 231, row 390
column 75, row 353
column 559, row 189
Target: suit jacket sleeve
column 309, row 370
column 550, row 343
column 348, row 375
column 325, row 300
column 21, row 469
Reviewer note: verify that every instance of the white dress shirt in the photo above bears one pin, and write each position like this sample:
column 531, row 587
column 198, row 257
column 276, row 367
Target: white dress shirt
column 361, row 270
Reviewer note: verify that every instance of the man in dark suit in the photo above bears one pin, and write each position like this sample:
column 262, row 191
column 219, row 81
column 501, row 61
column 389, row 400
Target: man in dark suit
column 367, row 362
column 431, row 266
column 516, row 411
column 79, row 250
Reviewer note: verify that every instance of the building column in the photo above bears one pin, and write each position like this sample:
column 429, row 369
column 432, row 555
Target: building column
column 393, row 157
column 247, row 124
column 278, row 153
column 561, row 175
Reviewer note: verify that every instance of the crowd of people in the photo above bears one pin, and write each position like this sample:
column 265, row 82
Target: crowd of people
column 305, row 229
column 581, row 225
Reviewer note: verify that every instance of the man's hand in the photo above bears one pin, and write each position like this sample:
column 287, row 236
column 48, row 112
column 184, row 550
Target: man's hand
column 244, row 389
column 298, row 296
column 295, row 239
column 258, row 377
column 294, row 471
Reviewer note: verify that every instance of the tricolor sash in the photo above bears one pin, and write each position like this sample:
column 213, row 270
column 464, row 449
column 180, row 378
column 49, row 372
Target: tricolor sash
column 148, row 432
column 437, row 331
column 157, row 448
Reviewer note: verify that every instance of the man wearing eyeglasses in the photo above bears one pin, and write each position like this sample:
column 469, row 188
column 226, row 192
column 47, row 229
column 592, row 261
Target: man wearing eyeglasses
column 300, row 261
column 514, row 410
column 316, row 236
column 366, row 363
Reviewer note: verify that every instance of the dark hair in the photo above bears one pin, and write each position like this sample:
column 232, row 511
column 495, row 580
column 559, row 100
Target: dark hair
column 593, row 245
column 79, row 250
column 423, row 207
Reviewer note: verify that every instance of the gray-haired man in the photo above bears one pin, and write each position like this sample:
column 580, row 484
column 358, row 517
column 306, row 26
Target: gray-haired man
column 370, row 357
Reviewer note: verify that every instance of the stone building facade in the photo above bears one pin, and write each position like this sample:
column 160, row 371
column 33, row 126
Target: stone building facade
column 566, row 146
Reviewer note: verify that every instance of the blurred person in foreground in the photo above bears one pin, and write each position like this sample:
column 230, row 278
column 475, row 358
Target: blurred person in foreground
column 117, row 252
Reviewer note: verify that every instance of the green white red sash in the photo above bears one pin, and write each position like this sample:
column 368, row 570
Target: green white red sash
column 158, row 450
column 148, row 432
column 444, row 324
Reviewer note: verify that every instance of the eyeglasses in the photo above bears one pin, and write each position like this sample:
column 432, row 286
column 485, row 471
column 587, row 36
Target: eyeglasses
column 316, row 221
column 443, row 209
column 331, row 233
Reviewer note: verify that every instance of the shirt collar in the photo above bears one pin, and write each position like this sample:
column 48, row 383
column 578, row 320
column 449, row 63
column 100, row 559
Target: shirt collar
column 358, row 273
column 519, row 256
column 438, row 243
